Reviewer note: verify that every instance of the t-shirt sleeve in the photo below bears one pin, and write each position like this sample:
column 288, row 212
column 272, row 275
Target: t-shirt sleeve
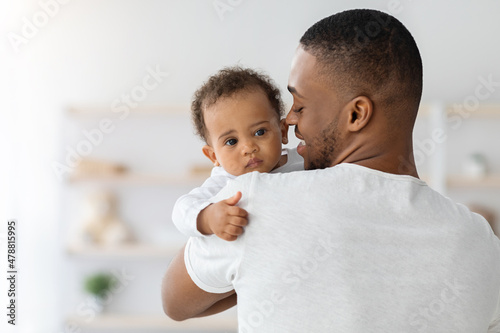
column 213, row 263
column 188, row 206
column 494, row 326
column 495, row 322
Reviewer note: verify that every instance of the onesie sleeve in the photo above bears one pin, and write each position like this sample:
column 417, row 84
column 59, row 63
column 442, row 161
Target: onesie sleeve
column 187, row 207
column 211, row 262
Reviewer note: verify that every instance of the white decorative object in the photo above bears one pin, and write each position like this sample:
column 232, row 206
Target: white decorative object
column 102, row 225
column 475, row 166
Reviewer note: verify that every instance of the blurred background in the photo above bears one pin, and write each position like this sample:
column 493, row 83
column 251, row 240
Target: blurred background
column 97, row 143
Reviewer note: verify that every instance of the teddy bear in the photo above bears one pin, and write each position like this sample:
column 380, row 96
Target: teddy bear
column 102, row 225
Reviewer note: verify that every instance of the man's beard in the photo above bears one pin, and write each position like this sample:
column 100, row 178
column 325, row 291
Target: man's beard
column 327, row 142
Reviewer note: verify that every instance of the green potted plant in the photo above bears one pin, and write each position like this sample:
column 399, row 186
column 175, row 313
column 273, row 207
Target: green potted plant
column 98, row 285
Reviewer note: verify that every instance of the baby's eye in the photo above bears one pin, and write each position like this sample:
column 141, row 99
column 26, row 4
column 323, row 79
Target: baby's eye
column 260, row 132
column 230, row 142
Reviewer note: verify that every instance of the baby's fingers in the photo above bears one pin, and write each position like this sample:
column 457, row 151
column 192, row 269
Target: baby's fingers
column 228, row 237
column 237, row 211
column 233, row 230
column 238, row 221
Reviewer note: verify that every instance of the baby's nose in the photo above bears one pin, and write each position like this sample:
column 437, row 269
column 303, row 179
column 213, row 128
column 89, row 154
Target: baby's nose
column 250, row 147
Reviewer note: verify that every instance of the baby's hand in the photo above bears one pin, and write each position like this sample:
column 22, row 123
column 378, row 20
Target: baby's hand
column 224, row 219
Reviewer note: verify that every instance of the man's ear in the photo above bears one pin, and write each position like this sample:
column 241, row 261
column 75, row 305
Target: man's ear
column 284, row 131
column 210, row 153
column 360, row 113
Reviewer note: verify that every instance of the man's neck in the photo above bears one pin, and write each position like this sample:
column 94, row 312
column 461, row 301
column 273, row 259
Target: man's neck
column 389, row 166
column 396, row 159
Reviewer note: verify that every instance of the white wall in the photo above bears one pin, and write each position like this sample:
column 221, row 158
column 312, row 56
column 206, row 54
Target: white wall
column 93, row 51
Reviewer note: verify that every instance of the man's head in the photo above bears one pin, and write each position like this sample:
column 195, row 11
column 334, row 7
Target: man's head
column 237, row 112
column 356, row 78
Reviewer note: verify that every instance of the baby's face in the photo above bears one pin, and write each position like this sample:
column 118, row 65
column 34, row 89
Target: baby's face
column 244, row 133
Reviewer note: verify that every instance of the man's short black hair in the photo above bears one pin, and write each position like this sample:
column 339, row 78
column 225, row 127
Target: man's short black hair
column 368, row 52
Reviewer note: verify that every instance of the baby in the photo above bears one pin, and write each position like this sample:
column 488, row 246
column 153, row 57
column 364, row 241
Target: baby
column 237, row 112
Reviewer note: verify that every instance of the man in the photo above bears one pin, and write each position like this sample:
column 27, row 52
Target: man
column 358, row 243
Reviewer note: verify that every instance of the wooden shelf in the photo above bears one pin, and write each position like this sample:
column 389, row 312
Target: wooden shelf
column 458, row 181
column 128, row 179
column 483, row 111
column 124, row 251
column 222, row 322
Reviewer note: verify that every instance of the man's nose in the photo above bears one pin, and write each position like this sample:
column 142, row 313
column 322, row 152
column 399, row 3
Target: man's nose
column 291, row 118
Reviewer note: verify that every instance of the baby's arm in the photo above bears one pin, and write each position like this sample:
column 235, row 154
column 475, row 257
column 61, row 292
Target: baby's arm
column 192, row 206
column 223, row 218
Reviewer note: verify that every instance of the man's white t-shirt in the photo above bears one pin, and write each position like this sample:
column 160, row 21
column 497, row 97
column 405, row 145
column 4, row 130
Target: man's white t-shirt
column 351, row 249
column 188, row 206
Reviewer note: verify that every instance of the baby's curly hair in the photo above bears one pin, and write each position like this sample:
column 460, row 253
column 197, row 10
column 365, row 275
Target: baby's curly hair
column 227, row 82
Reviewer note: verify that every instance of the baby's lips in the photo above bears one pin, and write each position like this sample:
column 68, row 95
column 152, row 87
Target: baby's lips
column 254, row 161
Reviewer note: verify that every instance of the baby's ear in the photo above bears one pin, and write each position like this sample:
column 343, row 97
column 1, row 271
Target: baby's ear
column 210, row 153
column 284, row 131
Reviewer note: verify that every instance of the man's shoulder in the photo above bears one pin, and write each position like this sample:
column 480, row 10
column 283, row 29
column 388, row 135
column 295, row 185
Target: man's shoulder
column 272, row 177
column 248, row 182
